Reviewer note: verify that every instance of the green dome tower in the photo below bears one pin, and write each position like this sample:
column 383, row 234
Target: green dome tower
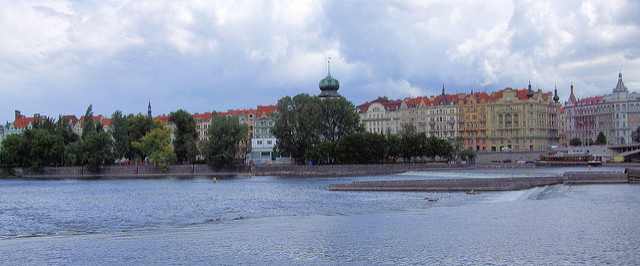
column 328, row 85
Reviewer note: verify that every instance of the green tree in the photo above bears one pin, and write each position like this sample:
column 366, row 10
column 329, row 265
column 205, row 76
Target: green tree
column 296, row 125
column 468, row 154
column 120, row 133
column 45, row 148
column 338, row 119
column 93, row 150
column 88, row 125
column 221, row 147
column 392, row 147
column 186, row 136
column 15, row 152
column 575, row 142
column 361, row 148
column 156, row 145
column 320, row 154
column 139, row 126
column 635, row 135
column 303, row 122
column 601, row 139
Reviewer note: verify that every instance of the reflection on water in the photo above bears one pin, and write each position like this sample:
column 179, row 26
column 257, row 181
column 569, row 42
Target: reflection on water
column 297, row 220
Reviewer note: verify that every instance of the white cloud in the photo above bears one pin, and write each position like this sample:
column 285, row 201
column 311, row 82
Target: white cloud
column 206, row 55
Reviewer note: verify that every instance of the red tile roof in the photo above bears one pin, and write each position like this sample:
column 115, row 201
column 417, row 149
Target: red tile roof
column 385, row 102
column 106, row 122
column 267, row 110
column 590, row 100
column 416, row 101
column 71, row 118
column 163, row 118
column 237, row 112
column 204, row 117
column 482, row 96
column 22, row 123
column 450, row 98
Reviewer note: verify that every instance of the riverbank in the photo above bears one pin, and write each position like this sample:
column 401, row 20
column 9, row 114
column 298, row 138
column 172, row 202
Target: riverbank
column 203, row 170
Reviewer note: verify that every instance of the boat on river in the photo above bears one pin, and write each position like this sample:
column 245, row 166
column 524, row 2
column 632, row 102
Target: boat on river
column 560, row 159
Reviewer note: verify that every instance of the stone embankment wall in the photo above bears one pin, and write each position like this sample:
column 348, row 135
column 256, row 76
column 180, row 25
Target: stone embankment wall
column 595, row 177
column 149, row 171
column 491, row 184
column 489, row 157
column 347, row 170
column 450, row 185
column 126, row 171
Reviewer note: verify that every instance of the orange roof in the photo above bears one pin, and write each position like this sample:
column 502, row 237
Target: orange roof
column 71, row 118
column 363, row 107
column 106, row 121
column 416, row 101
column 267, row 110
column 204, row 117
column 590, row 100
column 22, row 123
column 482, row 96
column 388, row 104
column 450, row 98
column 237, row 112
column 522, row 94
column 97, row 118
column 163, row 118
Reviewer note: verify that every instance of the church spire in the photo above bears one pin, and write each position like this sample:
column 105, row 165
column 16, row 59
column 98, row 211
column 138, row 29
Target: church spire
column 149, row 110
column 556, row 98
column 572, row 97
column 530, row 92
column 620, row 87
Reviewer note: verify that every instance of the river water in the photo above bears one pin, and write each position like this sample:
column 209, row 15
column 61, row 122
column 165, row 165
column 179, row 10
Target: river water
column 271, row 220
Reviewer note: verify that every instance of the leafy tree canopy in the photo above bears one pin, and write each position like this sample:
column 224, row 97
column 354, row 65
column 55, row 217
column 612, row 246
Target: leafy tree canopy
column 575, row 142
column 221, row 147
column 186, row 136
column 156, row 145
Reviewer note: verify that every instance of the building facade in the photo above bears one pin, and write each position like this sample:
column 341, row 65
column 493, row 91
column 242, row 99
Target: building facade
column 472, row 120
column 381, row 116
column 616, row 115
column 523, row 120
column 442, row 117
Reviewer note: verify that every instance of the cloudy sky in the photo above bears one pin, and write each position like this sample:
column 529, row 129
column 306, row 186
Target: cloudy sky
column 57, row 57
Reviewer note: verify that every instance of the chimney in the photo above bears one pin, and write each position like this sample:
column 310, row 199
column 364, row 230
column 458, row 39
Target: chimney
column 18, row 115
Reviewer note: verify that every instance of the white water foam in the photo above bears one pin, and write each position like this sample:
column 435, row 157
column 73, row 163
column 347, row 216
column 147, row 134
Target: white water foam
column 517, row 195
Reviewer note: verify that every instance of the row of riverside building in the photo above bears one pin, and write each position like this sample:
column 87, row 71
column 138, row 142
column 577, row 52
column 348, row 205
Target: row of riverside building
column 259, row 122
column 510, row 119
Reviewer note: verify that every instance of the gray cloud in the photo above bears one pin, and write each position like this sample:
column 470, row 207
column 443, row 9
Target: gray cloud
column 61, row 56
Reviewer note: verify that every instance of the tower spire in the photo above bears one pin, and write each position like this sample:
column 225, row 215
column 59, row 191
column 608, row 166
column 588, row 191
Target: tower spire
column 329, row 67
column 149, row 109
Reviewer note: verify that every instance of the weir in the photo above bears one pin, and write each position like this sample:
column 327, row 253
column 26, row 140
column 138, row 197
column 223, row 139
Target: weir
column 492, row 184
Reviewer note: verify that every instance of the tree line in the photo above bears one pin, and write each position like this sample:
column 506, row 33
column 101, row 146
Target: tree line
column 129, row 138
column 307, row 128
column 328, row 131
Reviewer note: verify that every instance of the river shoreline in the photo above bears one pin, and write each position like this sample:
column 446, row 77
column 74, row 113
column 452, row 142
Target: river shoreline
column 204, row 171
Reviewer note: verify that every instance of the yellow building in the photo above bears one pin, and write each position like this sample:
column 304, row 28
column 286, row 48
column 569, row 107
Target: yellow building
column 523, row 120
column 472, row 120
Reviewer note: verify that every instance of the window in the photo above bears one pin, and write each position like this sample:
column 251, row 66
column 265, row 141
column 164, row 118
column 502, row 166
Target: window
column 259, row 142
column 269, row 142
